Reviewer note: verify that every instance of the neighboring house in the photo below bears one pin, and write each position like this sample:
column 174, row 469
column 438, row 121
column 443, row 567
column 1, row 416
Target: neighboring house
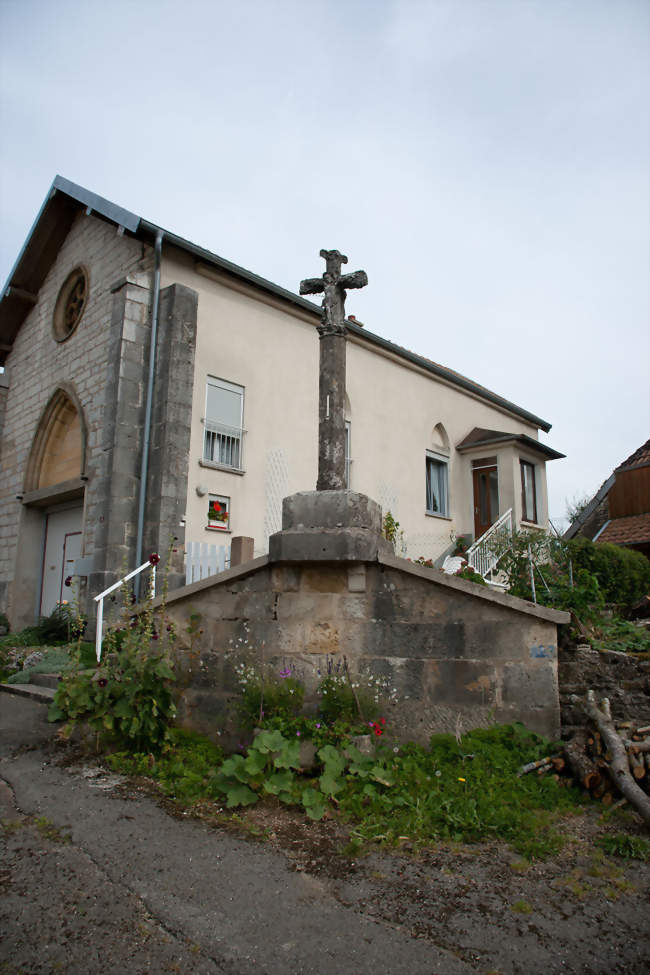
column 233, row 422
column 619, row 512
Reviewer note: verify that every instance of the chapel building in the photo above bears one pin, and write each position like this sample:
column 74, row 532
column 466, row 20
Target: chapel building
column 225, row 413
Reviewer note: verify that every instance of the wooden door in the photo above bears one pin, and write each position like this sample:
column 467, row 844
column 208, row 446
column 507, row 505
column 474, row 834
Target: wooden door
column 486, row 499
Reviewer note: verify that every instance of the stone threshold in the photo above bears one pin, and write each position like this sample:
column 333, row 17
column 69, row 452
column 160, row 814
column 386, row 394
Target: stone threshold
column 34, row 691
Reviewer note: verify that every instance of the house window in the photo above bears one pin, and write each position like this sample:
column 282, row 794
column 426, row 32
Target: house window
column 224, row 414
column 437, row 482
column 218, row 512
column 528, row 494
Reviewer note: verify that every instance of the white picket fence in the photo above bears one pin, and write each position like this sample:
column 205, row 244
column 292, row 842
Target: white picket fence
column 203, row 559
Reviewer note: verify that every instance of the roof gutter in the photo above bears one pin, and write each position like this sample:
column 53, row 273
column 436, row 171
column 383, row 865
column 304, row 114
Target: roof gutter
column 144, row 466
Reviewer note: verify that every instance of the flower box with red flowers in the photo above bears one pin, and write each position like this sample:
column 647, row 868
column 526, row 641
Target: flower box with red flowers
column 218, row 514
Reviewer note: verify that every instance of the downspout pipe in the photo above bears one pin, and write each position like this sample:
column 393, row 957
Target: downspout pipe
column 144, row 466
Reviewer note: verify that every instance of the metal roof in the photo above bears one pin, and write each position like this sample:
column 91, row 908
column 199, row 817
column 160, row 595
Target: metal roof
column 479, row 437
column 64, row 201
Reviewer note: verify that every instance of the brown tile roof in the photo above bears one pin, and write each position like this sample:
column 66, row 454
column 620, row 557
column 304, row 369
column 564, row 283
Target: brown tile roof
column 627, row 531
column 640, row 457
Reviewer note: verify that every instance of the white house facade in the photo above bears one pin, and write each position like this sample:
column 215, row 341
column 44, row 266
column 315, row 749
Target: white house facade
column 107, row 451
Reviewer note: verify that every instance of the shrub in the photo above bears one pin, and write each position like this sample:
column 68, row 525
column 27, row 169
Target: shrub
column 128, row 697
column 467, row 572
column 62, row 625
column 127, row 700
column 623, row 575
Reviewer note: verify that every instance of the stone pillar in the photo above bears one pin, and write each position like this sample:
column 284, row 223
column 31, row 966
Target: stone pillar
column 171, row 423
column 241, row 550
column 112, row 502
column 331, row 411
column 329, row 526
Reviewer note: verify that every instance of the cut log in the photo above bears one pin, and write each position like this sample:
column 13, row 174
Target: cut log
column 638, row 746
column 544, row 763
column 583, row 767
column 599, row 791
column 620, row 768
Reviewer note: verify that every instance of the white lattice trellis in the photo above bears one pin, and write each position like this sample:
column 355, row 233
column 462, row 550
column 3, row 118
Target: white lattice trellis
column 276, row 481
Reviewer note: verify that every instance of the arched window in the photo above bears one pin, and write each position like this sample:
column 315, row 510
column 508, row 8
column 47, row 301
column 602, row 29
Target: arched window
column 437, row 473
column 439, row 438
column 58, row 450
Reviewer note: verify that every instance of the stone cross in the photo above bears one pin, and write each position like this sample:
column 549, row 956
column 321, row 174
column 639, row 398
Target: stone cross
column 331, row 383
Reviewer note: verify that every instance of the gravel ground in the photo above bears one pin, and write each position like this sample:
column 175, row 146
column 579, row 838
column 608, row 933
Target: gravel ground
column 97, row 875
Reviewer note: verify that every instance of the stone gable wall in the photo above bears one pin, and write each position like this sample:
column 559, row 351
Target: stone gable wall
column 37, row 365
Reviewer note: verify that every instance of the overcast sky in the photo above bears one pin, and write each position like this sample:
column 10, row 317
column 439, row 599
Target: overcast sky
column 485, row 161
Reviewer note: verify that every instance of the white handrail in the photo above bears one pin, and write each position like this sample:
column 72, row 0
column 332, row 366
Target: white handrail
column 100, row 599
column 481, row 555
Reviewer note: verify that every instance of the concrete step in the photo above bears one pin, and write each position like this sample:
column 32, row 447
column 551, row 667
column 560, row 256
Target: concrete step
column 36, row 692
column 45, row 680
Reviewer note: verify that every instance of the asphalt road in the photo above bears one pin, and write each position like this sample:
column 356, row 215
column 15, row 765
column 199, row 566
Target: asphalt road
column 94, row 880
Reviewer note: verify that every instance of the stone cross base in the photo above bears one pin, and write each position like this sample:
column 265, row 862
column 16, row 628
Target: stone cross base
column 329, row 526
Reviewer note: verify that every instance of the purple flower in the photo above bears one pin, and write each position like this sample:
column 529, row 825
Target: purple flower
column 154, row 558
column 298, row 734
column 318, row 724
column 285, row 673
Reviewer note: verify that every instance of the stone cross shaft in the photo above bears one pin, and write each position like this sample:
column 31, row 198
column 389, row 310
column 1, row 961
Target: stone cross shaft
column 331, row 382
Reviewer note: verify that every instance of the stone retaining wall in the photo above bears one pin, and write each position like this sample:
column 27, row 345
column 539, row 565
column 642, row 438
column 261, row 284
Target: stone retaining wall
column 458, row 655
column 621, row 677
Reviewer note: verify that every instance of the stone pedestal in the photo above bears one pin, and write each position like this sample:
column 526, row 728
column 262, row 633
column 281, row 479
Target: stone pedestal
column 329, row 526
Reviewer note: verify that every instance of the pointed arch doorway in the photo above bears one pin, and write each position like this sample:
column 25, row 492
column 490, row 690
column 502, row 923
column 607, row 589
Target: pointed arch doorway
column 51, row 532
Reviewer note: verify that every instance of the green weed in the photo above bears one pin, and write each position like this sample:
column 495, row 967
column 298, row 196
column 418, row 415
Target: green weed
column 183, row 769
column 626, row 846
column 521, row 907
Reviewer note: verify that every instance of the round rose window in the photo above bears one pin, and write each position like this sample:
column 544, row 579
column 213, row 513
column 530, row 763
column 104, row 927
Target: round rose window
column 70, row 304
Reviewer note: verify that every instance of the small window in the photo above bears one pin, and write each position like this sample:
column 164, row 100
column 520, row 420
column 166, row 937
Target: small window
column 437, row 484
column 528, row 493
column 218, row 512
column 224, row 414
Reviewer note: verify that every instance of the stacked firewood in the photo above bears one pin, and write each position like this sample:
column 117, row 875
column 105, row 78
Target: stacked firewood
column 608, row 760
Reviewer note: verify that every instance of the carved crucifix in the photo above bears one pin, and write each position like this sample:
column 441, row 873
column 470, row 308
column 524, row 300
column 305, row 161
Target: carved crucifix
column 331, row 383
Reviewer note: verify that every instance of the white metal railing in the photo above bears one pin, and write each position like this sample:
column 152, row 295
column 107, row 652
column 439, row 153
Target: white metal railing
column 222, row 444
column 203, row 559
column 484, row 554
column 100, row 600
